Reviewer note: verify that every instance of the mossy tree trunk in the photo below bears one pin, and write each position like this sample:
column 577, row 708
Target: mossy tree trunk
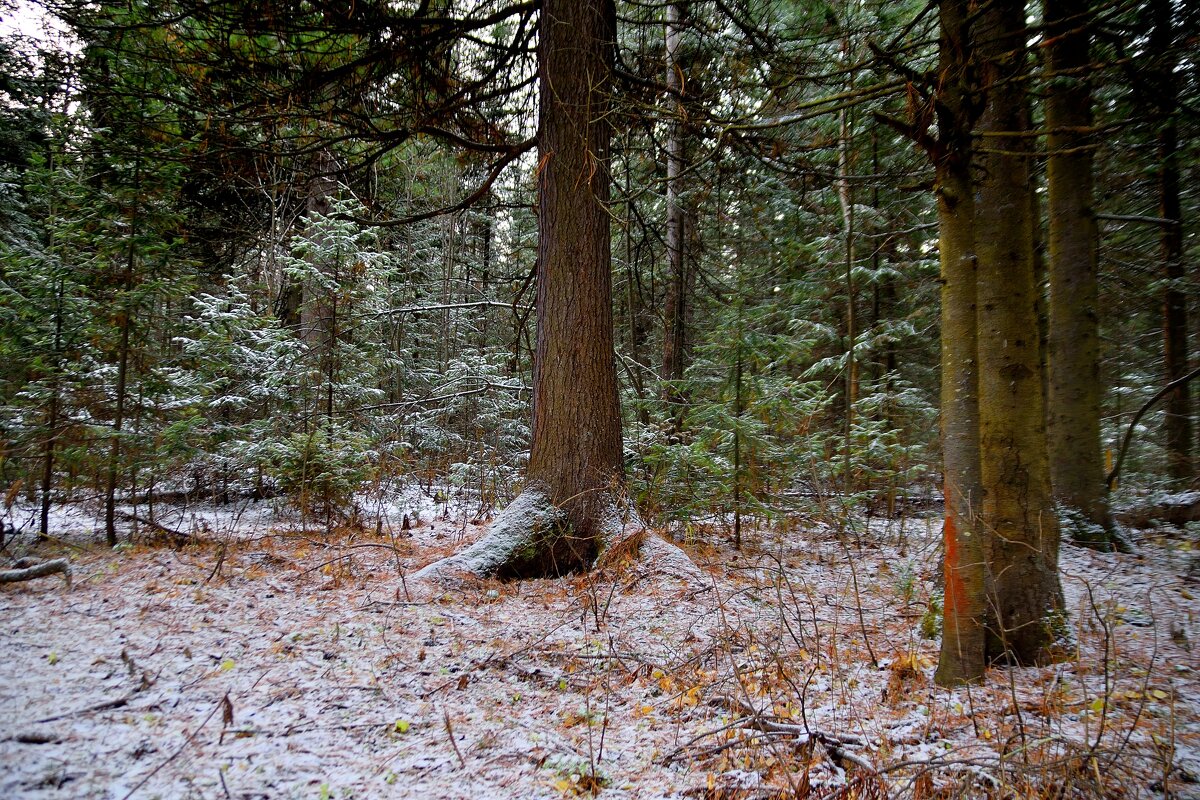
column 964, row 596
column 1076, row 461
column 1017, row 510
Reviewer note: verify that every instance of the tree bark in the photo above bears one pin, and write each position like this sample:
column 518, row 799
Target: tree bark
column 1073, row 422
column 1017, row 511
column 675, row 303
column 962, row 658
column 1175, row 313
column 568, row 508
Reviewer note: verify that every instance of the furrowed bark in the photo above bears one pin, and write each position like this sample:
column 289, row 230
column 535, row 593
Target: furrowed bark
column 574, row 476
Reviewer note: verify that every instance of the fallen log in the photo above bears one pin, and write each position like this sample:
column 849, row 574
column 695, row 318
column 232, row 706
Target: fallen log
column 179, row 537
column 37, row 571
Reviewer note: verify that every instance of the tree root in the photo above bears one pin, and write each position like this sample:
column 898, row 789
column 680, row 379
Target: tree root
column 517, row 537
column 532, row 538
column 38, row 571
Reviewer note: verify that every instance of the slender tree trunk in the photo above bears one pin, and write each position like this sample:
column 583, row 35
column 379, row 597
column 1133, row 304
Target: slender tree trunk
column 962, row 656
column 675, row 304
column 125, row 318
column 114, row 456
column 52, row 413
column 1076, row 459
column 737, row 451
column 1175, row 312
column 1018, row 511
column 846, row 201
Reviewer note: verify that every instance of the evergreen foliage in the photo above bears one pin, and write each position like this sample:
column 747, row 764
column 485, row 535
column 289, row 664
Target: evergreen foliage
column 290, row 248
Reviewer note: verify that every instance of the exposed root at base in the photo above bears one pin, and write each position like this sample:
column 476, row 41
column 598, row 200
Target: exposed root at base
column 529, row 536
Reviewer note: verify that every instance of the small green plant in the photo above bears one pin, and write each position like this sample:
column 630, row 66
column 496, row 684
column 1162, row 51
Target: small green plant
column 906, row 582
column 574, row 775
column 931, row 620
column 320, row 472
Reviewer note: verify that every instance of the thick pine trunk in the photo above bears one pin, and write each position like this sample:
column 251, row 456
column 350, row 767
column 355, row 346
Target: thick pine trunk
column 1076, row 463
column 567, row 510
column 1018, row 511
column 964, row 596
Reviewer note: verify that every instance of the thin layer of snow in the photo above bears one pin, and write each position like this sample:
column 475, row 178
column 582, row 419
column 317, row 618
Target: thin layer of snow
column 516, row 526
column 278, row 662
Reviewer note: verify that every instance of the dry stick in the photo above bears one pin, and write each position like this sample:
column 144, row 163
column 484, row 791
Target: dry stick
column 450, row 733
column 720, row 606
column 1160, row 394
column 187, row 740
column 737, row 723
column 216, row 570
column 185, row 538
column 862, row 623
column 105, row 706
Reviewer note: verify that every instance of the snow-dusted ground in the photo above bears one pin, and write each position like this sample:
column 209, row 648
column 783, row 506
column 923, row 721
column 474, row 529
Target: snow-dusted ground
column 271, row 662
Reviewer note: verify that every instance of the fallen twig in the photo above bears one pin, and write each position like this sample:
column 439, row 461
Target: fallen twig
column 835, row 744
column 186, row 741
column 450, row 733
column 105, row 706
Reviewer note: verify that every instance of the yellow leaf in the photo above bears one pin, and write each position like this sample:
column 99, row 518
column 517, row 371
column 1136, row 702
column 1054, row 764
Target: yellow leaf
column 1159, row 694
column 227, row 665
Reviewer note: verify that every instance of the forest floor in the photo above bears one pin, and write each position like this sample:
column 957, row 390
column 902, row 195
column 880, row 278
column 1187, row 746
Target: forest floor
column 265, row 660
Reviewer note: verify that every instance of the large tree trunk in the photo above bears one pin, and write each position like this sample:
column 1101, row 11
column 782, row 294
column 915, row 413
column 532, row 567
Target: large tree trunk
column 1018, row 511
column 567, row 510
column 1076, row 463
column 965, row 593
